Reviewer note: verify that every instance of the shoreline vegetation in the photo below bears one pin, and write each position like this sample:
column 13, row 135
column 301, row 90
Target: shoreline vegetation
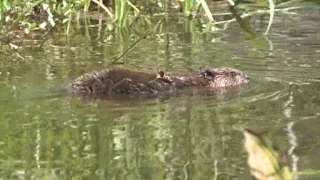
column 37, row 19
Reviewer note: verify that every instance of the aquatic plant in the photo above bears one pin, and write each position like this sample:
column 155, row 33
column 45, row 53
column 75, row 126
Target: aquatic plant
column 264, row 161
column 120, row 11
column 46, row 15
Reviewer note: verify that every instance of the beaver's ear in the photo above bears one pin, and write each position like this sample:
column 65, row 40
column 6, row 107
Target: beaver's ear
column 160, row 74
column 208, row 75
column 232, row 73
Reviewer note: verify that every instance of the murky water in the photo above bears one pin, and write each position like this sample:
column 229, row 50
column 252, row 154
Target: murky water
column 47, row 136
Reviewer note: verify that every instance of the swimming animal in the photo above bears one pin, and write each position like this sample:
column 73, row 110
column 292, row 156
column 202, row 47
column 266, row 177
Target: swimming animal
column 120, row 81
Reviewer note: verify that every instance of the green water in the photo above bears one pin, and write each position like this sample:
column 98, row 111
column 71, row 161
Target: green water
column 44, row 135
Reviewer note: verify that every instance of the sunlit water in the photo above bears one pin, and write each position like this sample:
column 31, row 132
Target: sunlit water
column 45, row 135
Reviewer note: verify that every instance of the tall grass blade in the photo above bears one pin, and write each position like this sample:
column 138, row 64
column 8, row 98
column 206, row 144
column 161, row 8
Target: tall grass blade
column 133, row 6
column 121, row 11
column 69, row 22
column 103, row 7
column 231, row 2
column 117, row 9
column 4, row 6
column 188, row 4
column 1, row 11
column 271, row 10
column 206, row 9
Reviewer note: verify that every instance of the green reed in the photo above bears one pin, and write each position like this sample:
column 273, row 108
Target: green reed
column 188, row 5
column 5, row 5
column 122, row 12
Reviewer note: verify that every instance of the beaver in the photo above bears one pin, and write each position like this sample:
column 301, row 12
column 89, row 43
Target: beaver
column 135, row 83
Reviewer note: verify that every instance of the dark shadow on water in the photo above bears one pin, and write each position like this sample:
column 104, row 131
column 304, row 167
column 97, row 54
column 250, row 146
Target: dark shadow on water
column 160, row 96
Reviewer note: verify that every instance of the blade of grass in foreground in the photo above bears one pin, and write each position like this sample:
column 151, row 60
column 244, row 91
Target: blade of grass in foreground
column 4, row 6
column 207, row 10
column 103, row 7
column 188, row 4
column 264, row 161
column 271, row 8
column 121, row 11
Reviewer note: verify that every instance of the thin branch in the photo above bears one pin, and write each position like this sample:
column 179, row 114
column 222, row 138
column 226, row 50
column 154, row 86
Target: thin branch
column 46, row 37
column 137, row 41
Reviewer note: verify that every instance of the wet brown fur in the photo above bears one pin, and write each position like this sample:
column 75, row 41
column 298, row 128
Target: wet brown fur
column 135, row 83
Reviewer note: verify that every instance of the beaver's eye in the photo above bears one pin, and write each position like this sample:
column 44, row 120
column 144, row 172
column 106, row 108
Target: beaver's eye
column 208, row 75
column 232, row 73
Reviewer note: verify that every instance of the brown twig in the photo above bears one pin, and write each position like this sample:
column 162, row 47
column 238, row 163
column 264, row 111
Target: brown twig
column 46, row 37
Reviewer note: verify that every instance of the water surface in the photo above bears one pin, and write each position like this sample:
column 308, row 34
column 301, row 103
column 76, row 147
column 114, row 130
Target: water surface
column 45, row 135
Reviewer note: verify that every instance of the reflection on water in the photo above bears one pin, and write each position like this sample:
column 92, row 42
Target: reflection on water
column 264, row 161
column 188, row 136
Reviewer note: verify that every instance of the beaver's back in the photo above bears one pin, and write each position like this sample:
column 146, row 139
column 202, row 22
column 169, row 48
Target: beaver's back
column 135, row 83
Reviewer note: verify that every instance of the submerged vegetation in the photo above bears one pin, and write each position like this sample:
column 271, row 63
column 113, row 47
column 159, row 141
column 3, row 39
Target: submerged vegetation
column 264, row 161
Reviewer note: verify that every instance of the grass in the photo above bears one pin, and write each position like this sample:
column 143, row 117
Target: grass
column 46, row 14
column 122, row 12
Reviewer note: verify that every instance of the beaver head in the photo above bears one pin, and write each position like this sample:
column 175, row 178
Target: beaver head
column 223, row 77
